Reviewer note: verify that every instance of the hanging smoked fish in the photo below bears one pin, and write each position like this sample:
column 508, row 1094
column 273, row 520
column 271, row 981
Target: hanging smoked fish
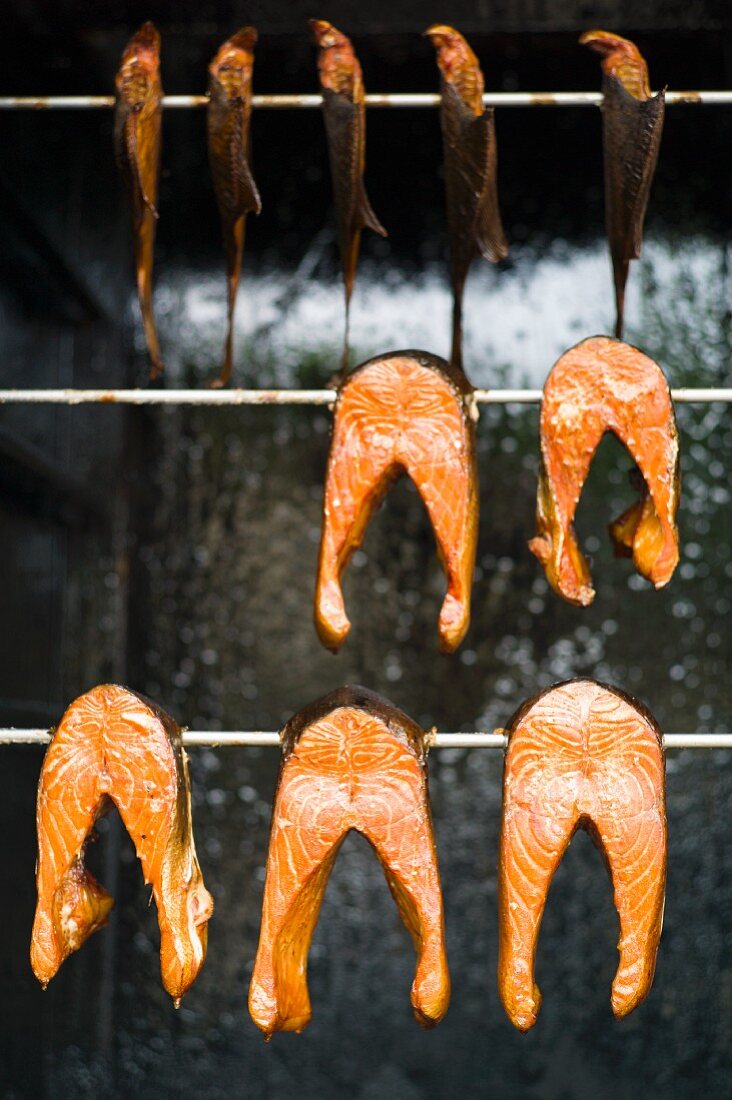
column 114, row 746
column 404, row 412
column 229, row 112
column 351, row 761
column 469, row 143
column 137, row 123
column 581, row 755
column 603, row 385
column 632, row 122
column 345, row 126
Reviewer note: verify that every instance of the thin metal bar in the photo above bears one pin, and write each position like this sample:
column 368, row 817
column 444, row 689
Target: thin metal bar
column 479, row 740
column 279, row 397
column 377, row 99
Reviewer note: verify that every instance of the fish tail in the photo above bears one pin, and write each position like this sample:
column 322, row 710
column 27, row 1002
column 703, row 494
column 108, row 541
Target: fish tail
column 145, row 297
column 234, row 244
column 620, row 273
column 456, row 353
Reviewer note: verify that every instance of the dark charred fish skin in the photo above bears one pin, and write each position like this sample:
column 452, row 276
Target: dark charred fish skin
column 581, row 755
column 137, row 132
column 350, row 761
column 229, row 150
column 115, row 746
column 469, row 144
column 632, row 125
column 344, row 113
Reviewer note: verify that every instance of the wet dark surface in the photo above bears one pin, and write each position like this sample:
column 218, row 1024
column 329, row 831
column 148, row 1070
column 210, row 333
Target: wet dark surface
column 191, row 578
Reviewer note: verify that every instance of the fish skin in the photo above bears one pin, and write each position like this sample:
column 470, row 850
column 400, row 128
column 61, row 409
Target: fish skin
column 582, row 755
column 632, row 125
column 403, row 412
column 229, row 150
column 351, row 761
column 113, row 745
column 470, row 156
column 344, row 113
column 600, row 385
column 137, row 126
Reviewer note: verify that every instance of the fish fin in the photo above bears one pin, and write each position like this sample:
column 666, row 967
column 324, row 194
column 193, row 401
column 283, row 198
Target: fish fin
column 134, row 161
column 365, row 215
column 247, row 193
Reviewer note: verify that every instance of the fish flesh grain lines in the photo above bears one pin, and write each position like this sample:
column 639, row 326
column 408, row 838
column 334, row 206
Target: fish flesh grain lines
column 712, row 98
column 282, row 397
column 259, row 738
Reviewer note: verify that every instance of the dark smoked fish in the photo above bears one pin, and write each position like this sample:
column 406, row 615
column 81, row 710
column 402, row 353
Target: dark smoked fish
column 469, row 143
column 404, row 412
column 349, row 761
column 632, row 123
column 581, row 755
column 603, row 385
column 229, row 112
column 138, row 117
column 345, row 125
column 113, row 745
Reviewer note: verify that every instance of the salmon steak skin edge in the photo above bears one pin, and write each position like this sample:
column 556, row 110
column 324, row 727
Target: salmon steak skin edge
column 115, row 746
column 581, row 755
column 604, row 385
column 403, row 412
column 350, row 761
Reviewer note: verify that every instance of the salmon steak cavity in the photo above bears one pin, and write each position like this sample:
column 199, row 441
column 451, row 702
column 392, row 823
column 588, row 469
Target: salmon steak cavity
column 113, row 745
column 603, row 385
column 404, row 412
column 349, row 761
column 581, row 756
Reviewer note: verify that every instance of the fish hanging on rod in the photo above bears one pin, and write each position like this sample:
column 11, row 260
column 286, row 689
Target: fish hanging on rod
column 632, row 123
column 344, row 112
column 229, row 150
column 137, row 124
column 403, row 412
column 469, row 144
column 603, row 385
column 581, row 755
column 350, row 761
column 114, row 746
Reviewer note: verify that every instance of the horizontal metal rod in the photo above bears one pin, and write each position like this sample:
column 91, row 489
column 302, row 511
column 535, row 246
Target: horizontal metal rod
column 378, row 99
column 279, row 397
column 497, row 740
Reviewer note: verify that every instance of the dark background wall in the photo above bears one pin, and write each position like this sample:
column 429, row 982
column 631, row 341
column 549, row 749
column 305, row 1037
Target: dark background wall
column 175, row 550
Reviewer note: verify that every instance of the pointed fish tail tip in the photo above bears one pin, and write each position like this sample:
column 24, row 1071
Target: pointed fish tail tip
column 244, row 39
column 147, row 36
column 323, row 32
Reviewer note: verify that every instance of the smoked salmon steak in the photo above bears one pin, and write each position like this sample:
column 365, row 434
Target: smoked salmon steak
column 349, row 761
column 113, row 745
column 404, row 412
column 603, row 385
column 581, row 755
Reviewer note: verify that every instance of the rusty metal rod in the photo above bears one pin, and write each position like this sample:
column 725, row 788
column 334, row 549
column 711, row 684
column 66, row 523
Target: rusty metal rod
column 281, row 397
column 378, row 99
column 479, row 740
